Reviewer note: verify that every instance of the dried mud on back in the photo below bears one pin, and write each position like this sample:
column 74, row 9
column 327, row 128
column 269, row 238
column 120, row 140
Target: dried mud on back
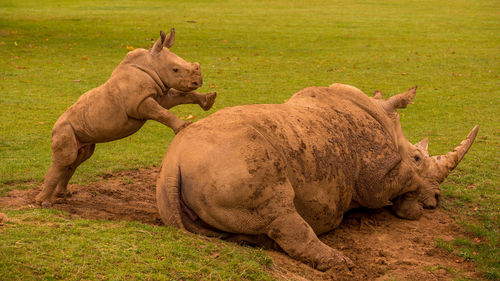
column 382, row 246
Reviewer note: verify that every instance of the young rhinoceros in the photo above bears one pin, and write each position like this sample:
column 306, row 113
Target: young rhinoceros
column 143, row 86
column 290, row 171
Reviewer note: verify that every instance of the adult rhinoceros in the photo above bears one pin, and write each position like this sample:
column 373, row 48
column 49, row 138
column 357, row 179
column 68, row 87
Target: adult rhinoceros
column 290, row 171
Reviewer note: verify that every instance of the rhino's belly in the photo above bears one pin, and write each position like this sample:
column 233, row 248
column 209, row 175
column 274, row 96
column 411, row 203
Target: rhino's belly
column 322, row 204
column 98, row 118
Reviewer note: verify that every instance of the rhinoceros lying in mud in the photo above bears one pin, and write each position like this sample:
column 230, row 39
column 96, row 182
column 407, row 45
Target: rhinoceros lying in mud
column 143, row 86
column 290, row 171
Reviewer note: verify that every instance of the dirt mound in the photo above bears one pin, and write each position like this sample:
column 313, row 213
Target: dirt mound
column 382, row 246
column 126, row 195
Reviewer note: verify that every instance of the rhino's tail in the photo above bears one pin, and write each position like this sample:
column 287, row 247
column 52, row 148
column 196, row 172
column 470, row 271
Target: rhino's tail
column 168, row 193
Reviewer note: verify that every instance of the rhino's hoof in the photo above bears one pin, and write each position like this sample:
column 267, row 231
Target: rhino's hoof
column 184, row 125
column 209, row 101
column 338, row 263
column 43, row 201
column 46, row 204
column 348, row 263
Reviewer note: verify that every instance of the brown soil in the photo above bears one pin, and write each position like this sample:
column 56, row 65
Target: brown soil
column 382, row 246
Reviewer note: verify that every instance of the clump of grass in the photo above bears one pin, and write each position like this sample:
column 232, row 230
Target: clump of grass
column 437, row 267
column 445, row 245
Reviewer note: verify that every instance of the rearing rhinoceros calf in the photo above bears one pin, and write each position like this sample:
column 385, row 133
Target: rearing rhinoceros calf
column 143, row 86
column 290, row 171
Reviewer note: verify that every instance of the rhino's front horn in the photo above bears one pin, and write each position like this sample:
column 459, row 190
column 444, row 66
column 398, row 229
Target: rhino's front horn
column 450, row 160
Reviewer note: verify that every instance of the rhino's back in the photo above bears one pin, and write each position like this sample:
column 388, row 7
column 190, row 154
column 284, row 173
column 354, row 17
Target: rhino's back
column 99, row 116
column 103, row 113
column 309, row 140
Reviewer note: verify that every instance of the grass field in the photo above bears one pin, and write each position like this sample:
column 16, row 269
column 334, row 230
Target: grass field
column 250, row 52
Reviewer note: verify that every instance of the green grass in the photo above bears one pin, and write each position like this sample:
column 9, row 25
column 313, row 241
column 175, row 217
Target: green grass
column 47, row 244
column 254, row 52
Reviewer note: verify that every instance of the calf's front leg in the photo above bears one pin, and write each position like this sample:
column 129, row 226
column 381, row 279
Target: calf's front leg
column 151, row 109
column 175, row 97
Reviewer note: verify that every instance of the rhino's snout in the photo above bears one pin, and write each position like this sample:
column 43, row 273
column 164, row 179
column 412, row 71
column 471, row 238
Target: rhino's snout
column 431, row 201
column 196, row 83
column 197, row 80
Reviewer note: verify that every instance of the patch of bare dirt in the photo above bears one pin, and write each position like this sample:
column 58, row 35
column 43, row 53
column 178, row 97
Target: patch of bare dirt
column 382, row 246
column 3, row 219
column 125, row 195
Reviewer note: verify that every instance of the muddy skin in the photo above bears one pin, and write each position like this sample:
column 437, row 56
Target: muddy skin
column 291, row 171
column 143, row 87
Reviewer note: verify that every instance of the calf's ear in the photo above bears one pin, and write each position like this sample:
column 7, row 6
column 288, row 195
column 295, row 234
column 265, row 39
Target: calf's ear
column 159, row 43
column 169, row 41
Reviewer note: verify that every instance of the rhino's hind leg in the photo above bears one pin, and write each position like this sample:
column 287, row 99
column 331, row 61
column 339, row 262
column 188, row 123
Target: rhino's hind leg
column 84, row 153
column 297, row 238
column 52, row 177
column 64, row 154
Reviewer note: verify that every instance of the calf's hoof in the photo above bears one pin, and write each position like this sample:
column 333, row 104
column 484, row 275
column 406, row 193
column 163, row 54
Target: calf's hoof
column 42, row 201
column 208, row 101
column 184, row 125
column 46, row 204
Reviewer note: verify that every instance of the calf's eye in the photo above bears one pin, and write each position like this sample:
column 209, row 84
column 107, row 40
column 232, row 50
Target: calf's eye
column 417, row 158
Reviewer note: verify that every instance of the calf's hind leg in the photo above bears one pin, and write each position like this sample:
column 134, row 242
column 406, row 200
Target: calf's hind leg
column 84, row 153
column 64, row 154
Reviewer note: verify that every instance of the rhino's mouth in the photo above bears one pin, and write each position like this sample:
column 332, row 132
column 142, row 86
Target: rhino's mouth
column 187, row 88
column 430, row 200
column 407, row 206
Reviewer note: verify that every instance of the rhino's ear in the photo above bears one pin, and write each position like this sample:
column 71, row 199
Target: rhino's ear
column 377, row 95
column 399, row 100
column 169, row 41
column 158, row 46
column 423, row 145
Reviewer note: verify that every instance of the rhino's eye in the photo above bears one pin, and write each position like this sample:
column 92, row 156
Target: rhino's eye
column 176, row 69
column 417, row 158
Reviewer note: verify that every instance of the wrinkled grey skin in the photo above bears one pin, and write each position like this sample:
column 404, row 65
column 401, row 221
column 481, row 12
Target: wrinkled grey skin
column 143, row 86
column 288, row 172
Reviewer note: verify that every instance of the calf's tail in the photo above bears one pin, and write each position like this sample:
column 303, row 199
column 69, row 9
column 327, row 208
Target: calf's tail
column 168, row 193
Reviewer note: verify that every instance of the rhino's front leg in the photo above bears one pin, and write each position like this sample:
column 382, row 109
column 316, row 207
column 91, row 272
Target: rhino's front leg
column 175, row 97
column 298, row 239
column 151, row 109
